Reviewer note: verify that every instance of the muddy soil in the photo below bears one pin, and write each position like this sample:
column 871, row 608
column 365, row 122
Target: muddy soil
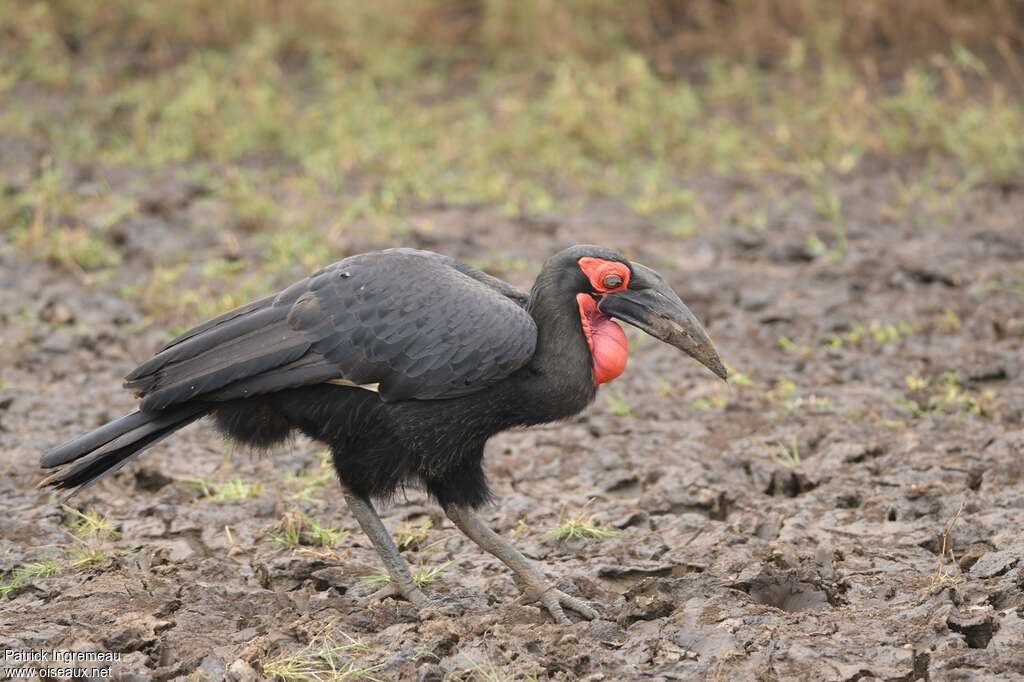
column 790, row 526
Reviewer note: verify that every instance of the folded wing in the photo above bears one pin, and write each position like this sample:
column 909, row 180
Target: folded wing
column 421, row 325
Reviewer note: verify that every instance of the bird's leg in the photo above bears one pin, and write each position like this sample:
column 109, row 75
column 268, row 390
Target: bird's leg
column 373, row 527
column 535, row 586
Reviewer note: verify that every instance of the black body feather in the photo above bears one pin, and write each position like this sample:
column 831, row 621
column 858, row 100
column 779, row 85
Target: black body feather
column 458, row 356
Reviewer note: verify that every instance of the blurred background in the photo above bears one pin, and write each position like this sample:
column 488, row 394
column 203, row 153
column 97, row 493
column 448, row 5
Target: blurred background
column 281, row 135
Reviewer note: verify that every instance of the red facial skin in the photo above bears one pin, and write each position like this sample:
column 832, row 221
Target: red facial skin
column 597, row 269
column 608, row 346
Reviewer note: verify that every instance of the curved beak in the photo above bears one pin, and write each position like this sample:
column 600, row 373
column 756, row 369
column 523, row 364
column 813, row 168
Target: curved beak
column 651, row 305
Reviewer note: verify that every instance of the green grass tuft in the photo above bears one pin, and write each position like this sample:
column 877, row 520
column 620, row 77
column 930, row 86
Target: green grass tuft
column 580, row 527
column 232, row 489
column 297, row 530
column 25, row 574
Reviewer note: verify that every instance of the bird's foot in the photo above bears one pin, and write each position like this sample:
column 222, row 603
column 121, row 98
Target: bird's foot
column 556, row 601
column 412, row 594
column 419, row 599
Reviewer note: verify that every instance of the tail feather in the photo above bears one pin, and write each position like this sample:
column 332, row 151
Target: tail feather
column 86, row 443
column 111, row 446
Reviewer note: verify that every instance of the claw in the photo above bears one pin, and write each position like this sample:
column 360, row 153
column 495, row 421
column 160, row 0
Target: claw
column 414, row 595
column 556, row 601
column 418, row 598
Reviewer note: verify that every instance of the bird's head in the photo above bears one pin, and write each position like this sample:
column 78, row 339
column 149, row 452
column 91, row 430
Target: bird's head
column 607, row 285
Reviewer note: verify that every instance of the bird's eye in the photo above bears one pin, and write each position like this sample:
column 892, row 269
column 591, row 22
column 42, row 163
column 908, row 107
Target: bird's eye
column 612, row 281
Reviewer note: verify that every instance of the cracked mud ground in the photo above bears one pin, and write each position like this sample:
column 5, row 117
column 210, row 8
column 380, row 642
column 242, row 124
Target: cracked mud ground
column 790, row 526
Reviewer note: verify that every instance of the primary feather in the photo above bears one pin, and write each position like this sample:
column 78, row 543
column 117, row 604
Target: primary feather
column 421, row 325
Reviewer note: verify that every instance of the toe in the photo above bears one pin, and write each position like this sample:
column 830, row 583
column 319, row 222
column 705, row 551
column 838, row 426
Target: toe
column 552, row 603
column 584, row 609
column 555, row 600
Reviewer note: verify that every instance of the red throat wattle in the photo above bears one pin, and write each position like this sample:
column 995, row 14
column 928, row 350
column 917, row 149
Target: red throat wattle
column 607, row 341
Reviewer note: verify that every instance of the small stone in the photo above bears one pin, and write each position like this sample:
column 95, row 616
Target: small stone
column 333, row 576
column 240, row 671
column 212, row 669
column 992, row 564
column 134, row 632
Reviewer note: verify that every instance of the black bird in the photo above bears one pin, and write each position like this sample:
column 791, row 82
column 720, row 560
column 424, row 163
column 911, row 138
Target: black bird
column 404, row 363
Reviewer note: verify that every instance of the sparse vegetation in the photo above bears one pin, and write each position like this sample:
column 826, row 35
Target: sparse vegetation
column 941, row 577
column 421, row 575
column 26, row 574
column 322, row 660
column 374, row 579
column 309, row 481
column 89, row 524
column 409, row 535
column 486, row 670
column 714, row 401
column 296, row 530
column 946, row 396
column 578, row 109
column 786, row 454
column 738, row 379
column 580, row 526
column 617, row 405
column 91, row 534
column 232, row 489
column 426, row 575
column 86, row 554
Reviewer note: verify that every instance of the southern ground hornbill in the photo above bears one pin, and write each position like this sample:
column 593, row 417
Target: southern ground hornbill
column 404, row 363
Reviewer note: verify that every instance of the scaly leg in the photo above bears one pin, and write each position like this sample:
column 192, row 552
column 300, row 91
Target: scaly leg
column 533, row 583
column 373, row 527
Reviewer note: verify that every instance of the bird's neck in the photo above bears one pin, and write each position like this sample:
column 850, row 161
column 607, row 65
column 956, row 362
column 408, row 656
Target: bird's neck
column 559, row 378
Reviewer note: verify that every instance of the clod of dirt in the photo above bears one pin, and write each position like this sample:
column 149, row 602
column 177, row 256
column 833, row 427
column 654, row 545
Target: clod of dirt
column 977, row 630
column 440, row 637
column 993, row 564
column 923, row 273
column 333, row 576
column 629, row 520
column 622, row 577
column 211, row 668
column 789, row 483
column 836, row 454
column 970, row 556
column 664, row 498
column 56, row 313
column 983, row 368
column 287, row 572
column 135, row 632
column 240, row 671
column 150, row 480
column 515, row 614
column 652, row 598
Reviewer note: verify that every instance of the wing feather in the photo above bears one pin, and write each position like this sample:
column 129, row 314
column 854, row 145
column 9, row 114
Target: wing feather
column 418, row 324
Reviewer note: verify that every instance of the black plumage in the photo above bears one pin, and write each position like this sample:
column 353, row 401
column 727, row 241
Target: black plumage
column 405, row 363
column 410, row 321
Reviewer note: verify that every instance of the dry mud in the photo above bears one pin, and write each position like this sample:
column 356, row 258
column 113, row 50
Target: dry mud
column 735, row 560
